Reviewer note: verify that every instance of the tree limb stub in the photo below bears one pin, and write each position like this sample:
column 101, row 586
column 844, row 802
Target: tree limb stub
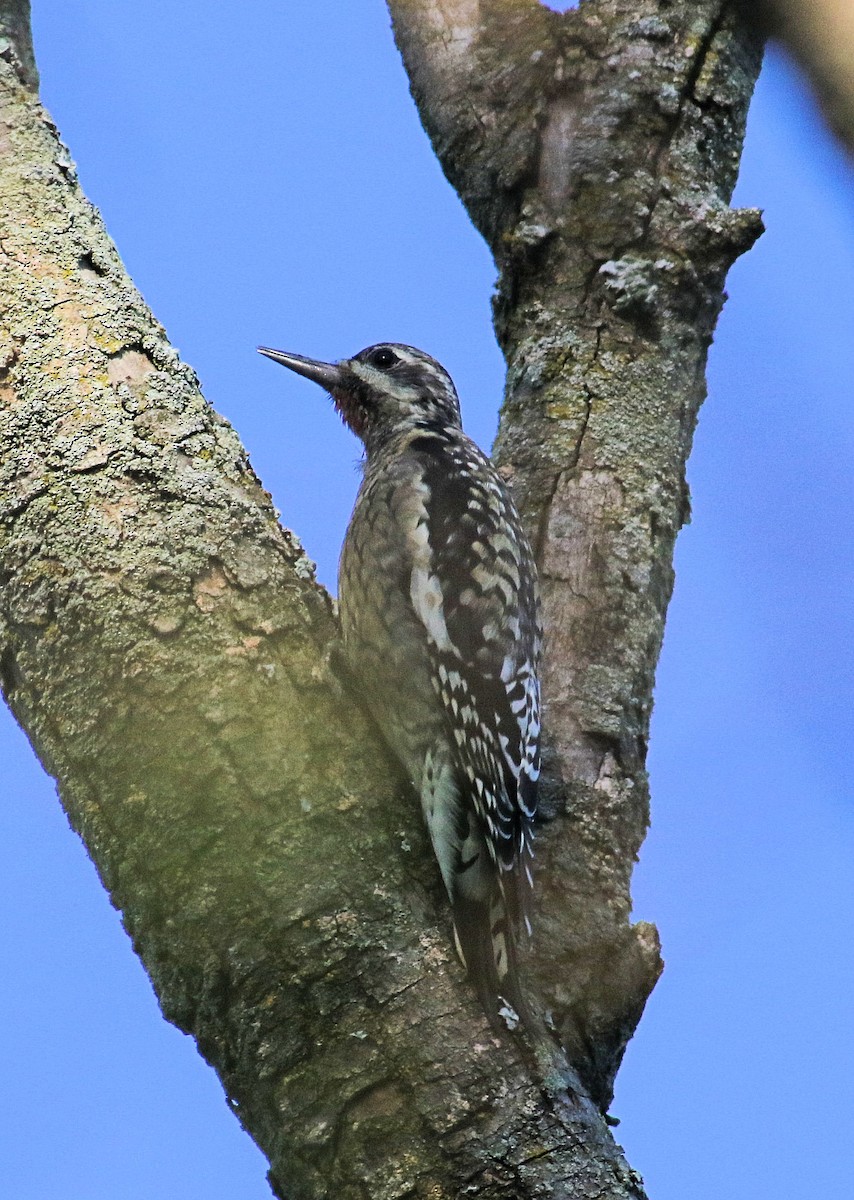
column 596, row 150
column 165, row 645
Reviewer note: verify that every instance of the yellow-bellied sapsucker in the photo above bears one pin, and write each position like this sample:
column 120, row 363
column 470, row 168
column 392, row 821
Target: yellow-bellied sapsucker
column 441, row 629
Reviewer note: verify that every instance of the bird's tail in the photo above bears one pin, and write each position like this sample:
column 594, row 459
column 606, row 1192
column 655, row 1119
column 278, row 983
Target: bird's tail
column 485, row 934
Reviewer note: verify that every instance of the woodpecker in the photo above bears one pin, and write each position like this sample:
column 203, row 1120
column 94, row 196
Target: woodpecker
column 440, row 621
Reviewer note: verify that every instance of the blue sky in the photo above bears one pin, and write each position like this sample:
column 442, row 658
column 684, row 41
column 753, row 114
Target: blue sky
column 267, row 180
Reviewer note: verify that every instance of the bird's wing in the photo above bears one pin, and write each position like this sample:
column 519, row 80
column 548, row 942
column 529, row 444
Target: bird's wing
column 473, row 586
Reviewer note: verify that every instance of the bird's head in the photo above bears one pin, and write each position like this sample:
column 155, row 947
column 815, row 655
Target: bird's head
column 383, row 390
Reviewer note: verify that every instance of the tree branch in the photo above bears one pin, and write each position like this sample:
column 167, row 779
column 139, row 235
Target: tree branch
column 164, row 644
column 610, row 168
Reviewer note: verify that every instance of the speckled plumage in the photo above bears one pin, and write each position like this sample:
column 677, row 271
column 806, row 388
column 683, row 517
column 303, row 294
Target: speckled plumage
column 440, row 623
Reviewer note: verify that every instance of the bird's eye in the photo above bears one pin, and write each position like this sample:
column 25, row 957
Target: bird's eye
column 383, row 359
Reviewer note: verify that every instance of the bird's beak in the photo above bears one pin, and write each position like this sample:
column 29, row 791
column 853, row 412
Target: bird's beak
column 328, row 375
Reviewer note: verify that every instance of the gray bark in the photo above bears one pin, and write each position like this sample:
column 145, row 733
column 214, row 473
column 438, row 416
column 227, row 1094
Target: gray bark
column 164, row 644
column 596, row 151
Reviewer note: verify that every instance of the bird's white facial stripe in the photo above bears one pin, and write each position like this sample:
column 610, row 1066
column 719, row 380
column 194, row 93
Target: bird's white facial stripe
column 387, row 383
column 383, row 382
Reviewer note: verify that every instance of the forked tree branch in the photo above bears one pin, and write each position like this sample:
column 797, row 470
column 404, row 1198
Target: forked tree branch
column 164, row 644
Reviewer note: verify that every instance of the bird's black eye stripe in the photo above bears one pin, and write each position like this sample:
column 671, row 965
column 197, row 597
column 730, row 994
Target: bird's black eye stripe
column 383, row 358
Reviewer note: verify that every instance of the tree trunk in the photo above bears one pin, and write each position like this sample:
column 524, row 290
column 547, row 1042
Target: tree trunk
column 164, row 644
